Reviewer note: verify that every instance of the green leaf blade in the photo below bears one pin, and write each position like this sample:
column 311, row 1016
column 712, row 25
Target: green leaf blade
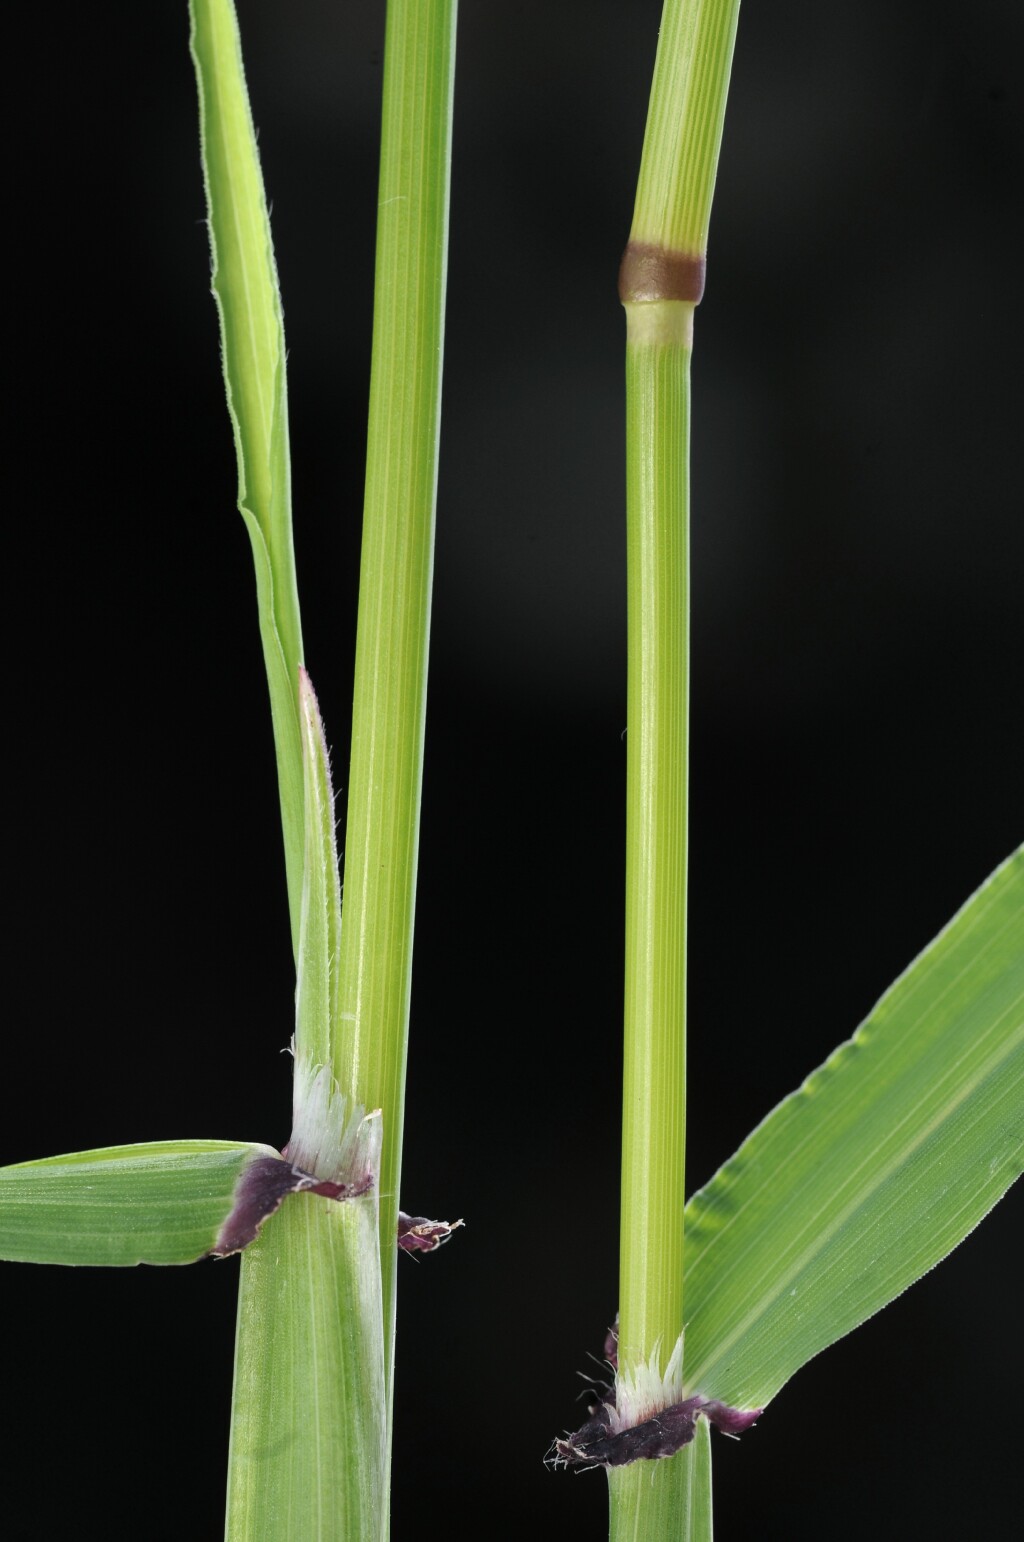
column 244, row 276
column 164, row 1202
column 886, row 1158
column 245, row 288
column 282, row 683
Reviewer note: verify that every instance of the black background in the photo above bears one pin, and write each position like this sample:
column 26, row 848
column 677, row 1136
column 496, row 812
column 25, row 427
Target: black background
column 857, row 613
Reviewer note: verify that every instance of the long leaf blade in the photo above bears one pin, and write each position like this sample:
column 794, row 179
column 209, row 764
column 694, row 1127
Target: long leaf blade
column 165, row 1202
column 245, row 287
column 882, row 1162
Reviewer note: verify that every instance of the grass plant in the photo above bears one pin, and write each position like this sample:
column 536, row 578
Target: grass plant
column 859, row 1182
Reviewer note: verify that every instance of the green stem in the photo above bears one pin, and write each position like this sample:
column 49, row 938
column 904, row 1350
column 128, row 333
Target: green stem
column 664, row 1499
column 660, row 282
column 684, row 124
column 385, row 771
column 654, row 1094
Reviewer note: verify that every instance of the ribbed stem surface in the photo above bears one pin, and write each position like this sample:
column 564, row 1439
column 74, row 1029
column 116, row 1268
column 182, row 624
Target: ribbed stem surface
column 385, row 771
column 684, row 124
column 654, row 1096
column 667, row 1500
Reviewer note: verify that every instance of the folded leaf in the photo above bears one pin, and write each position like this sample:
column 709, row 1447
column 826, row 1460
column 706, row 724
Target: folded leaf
column 316, row 986
column 307, row 1419
column 874, row 1170
column 166, row 1202
column 284, row 716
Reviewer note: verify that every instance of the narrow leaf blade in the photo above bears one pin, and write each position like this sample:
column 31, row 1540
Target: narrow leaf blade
column 164, row 1202
column 282, row 682
column 245, row 287
column 881, row 1163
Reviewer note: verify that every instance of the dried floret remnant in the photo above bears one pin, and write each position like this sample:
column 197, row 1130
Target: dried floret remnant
column 418, row 1235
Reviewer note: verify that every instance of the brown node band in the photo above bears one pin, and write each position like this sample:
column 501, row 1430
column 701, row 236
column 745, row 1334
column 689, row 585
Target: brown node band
column 654, row 273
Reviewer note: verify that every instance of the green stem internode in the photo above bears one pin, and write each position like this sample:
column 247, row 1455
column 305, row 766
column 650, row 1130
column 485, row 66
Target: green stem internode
column 660, row 282
column 654, row 1123
column 664, row 1501
column 684, row 125
column 386, row 766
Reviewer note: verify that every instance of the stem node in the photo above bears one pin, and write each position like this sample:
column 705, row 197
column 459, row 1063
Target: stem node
column 650, row 272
